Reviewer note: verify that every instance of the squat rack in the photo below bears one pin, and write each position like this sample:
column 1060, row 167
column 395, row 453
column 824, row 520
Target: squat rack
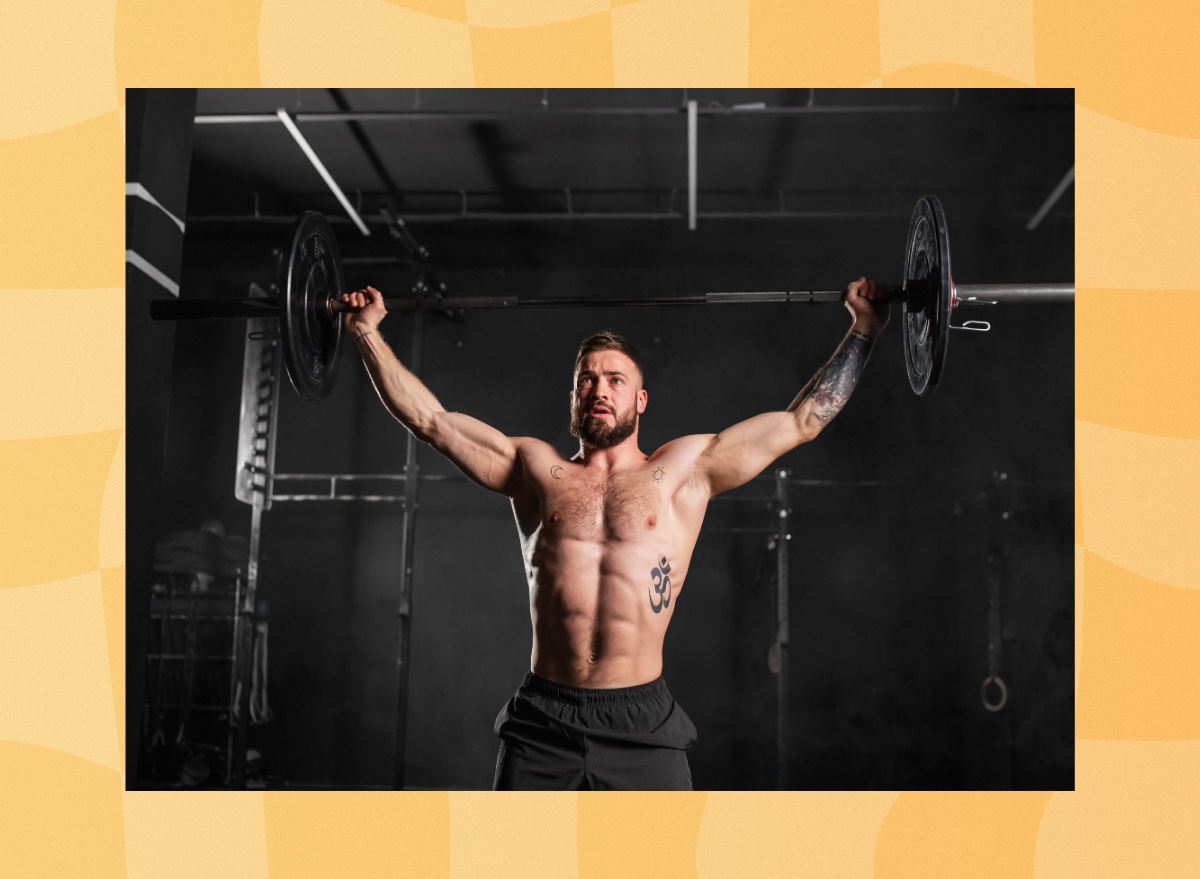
column 257, row 484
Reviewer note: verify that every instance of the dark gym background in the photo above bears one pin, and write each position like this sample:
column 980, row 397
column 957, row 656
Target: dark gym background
column 513, row 193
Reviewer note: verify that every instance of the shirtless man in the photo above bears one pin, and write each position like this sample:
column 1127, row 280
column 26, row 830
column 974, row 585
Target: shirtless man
column 607, row 537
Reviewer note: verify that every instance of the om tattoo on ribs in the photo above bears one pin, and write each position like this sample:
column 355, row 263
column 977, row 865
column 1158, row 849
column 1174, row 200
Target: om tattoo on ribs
column 661, row 587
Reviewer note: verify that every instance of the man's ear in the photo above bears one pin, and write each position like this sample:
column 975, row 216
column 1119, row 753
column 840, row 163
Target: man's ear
column 642, row 397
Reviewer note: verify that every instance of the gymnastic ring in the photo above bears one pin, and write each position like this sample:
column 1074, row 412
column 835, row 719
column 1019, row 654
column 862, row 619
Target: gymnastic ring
column 983, row 696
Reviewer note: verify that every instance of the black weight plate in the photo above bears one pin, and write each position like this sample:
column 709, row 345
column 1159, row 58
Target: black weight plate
column 312, row 272
column 928, row 293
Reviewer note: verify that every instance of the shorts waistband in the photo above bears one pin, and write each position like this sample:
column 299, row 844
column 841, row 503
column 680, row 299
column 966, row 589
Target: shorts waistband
column 655, row 689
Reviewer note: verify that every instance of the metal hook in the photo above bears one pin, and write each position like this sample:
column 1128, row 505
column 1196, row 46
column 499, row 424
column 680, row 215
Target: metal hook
column 978, row 326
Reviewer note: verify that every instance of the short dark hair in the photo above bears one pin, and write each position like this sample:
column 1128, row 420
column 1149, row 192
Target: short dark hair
column 610, row 341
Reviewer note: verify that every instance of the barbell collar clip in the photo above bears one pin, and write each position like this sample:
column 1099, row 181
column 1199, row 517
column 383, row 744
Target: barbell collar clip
column 976, row 326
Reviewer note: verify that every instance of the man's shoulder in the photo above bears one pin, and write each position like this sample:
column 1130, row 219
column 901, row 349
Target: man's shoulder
column 686, row 447
column 532, row 448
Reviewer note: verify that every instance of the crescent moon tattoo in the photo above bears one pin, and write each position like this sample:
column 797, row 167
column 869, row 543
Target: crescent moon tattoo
column 555, row 470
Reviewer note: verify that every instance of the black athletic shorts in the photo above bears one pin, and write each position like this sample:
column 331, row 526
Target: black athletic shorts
column 555, row 737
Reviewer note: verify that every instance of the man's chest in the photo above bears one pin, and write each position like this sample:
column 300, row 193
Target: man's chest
column 584, row 506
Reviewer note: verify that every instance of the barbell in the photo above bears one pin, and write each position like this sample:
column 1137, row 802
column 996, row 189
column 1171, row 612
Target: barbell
column 309, row 308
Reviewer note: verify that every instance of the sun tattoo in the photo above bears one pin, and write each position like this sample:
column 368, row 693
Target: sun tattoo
column 658, row 474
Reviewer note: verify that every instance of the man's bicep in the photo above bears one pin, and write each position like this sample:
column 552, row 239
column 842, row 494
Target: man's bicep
column 739, row 453
column 486, row 455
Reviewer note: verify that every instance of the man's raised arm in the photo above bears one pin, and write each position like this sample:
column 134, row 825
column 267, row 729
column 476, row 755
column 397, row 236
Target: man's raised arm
column 480, row 451
column 738, row 454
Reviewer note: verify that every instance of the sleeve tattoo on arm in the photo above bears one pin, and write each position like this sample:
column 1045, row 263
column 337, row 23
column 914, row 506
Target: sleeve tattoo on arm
column 830, row 388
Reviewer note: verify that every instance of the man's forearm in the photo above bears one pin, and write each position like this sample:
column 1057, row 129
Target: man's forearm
column 404, row 395
column 831, row 386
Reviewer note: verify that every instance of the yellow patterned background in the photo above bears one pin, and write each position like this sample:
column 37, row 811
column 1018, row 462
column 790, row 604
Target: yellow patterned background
column 65, row 63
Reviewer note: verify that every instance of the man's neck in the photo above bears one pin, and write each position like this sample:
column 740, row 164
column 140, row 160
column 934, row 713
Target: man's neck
column 621, row 455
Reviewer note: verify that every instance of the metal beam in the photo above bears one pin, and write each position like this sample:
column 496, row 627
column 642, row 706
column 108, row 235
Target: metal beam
column 408, row 536
column 1052, row 199
column 783, row 626
column 545, row 216
column 282, row 115
column 691, row 154
column 598, row 112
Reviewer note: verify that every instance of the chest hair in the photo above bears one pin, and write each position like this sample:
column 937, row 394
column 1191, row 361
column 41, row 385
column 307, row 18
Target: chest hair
column 618, row 506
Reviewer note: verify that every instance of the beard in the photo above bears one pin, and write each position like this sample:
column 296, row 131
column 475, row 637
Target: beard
column 595, row 434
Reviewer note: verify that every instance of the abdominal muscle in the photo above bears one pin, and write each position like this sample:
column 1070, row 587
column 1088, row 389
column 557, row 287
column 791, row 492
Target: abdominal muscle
column 592, row 610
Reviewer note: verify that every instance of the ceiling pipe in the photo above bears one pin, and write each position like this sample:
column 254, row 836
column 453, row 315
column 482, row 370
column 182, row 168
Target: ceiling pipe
column 414, row 115
column 691, row 157
column 1050, row 201
column 536, row 217
column 282, row 115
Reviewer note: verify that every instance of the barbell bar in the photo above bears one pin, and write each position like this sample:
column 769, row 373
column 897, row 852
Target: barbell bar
column 966, row 294
column 309, row 310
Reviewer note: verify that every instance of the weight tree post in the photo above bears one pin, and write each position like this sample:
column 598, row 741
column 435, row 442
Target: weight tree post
column 408, row 534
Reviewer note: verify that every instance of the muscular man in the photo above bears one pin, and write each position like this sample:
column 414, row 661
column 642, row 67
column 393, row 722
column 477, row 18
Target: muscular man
column 607, row 537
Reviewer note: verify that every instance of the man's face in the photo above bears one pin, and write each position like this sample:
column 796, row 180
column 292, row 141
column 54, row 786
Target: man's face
column 607, row 400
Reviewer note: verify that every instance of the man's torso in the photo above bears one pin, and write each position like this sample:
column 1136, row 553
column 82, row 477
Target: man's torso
column 606, row 554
